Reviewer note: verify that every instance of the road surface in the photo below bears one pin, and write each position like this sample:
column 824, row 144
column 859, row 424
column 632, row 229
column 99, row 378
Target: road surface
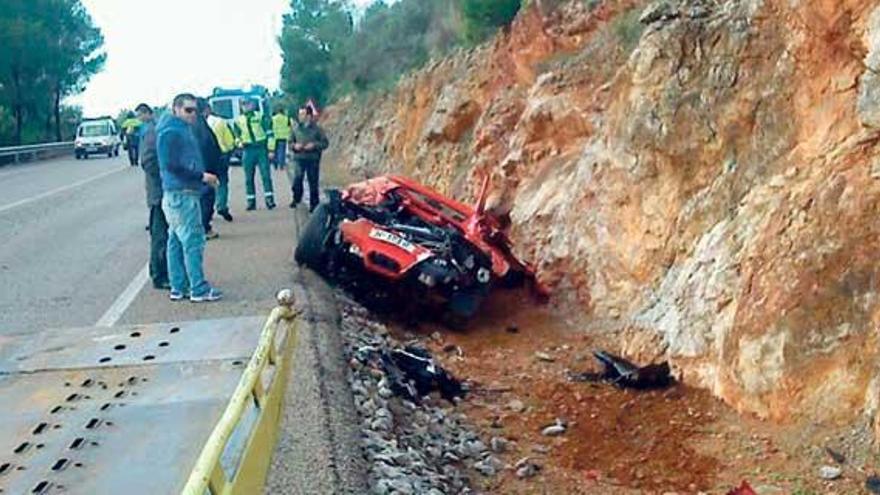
column 74, row 253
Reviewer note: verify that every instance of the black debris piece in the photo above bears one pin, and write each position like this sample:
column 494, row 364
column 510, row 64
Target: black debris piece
column 412, row 373
column 625, row 374
column 835, row 456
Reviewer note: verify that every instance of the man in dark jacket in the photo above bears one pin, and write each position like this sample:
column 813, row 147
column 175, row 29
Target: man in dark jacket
column 183, row 181
column 211, row 156
column 307, row 141
column 158, row 226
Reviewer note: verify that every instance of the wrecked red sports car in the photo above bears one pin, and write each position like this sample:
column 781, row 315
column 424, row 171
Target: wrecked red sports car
column 394, row 242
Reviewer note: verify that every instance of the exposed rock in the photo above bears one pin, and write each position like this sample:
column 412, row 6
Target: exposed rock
column 516, row 405
column 705, row 177
column 499, row 445
column 543, row 356
column 830, row 472
column 553, row 430
column 410, row 448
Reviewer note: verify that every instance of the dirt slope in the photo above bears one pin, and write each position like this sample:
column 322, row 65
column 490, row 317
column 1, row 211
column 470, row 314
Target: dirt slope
column 700, row 176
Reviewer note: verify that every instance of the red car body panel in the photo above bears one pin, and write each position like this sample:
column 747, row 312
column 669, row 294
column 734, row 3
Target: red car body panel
column 482, row 230
column 380, row 252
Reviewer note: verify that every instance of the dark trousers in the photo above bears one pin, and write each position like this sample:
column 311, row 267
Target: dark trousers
column 158, row 246
column 207, row 201
column 133, row 153
column 309, row 169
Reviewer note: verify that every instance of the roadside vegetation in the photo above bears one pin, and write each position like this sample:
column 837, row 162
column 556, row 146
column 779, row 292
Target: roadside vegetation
column 49, row 49
column 332, row 49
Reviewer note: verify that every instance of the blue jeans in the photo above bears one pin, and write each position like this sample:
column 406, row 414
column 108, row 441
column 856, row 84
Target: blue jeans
column 186, row 241
column 280, row 153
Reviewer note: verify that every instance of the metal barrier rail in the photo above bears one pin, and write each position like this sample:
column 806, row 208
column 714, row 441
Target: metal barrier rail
column 235, row 459
column 17, row 153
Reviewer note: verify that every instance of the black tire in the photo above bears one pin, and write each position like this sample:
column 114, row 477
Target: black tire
column 311, row 248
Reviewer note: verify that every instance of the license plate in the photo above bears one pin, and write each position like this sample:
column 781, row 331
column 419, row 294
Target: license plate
column 396, row 240
column 91, row 148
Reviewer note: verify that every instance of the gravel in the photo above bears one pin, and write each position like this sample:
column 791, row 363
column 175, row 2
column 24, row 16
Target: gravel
column 424, row 448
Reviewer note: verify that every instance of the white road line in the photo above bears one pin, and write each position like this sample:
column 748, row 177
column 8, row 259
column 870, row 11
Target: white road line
column 58, row 190
column 125, row 299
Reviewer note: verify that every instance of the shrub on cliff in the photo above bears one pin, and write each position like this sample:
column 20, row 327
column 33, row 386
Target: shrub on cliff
column 484, row 17
column 331, row 48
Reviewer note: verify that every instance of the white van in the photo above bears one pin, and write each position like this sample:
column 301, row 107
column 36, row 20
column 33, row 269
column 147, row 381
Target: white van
column 96, row 136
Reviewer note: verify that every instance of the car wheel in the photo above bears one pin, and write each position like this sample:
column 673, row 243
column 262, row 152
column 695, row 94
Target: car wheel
column 311, row 248
column 110, row 154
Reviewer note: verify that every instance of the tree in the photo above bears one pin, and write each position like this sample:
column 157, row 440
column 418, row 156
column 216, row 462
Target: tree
column 47, row 48
column 312, row 34
column 75, row 54
column 483, row 17
column 327, row 55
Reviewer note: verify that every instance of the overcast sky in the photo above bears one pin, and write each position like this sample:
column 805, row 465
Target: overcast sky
column 158, row 48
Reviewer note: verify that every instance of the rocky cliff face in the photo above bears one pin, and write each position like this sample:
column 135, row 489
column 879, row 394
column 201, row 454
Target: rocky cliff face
column 703, row 174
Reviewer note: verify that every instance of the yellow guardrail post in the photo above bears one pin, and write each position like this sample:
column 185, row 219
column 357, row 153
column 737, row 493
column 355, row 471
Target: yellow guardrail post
column 248, row 477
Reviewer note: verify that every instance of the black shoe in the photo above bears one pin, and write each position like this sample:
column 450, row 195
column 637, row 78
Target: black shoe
column 270, row 205
column 293, row 205
column 225, row 214
column 251, row 207
column 161, row 285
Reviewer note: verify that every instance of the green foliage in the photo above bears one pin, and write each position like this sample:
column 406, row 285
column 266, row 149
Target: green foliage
column 49, row 49
column 332, row 49
column 628, row 29
column 483, row 17
column 392, row 40
column 310, row 40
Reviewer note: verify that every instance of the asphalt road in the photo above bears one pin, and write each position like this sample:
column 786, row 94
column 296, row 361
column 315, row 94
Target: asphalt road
column 73, row 251
column 73, row 241
column 71, row 234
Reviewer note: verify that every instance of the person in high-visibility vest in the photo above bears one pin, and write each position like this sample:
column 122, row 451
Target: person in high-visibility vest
column 226, row 140
column 281, row 130
column 131, row 135
column 254, row 134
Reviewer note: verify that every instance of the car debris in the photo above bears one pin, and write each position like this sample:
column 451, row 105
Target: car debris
column 390, row 240
column 412, row 372
column 625, row 374
column 835, row 456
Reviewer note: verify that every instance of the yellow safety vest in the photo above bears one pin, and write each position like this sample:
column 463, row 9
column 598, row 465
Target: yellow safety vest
column 281, row 126
column 224, row 135
column 130, row 125
column 250, row 129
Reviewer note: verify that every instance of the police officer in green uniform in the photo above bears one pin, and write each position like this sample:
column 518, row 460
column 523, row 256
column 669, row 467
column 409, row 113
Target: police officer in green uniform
column 254, row 134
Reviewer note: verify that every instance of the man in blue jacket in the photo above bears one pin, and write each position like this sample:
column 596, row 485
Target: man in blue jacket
column 183, row 181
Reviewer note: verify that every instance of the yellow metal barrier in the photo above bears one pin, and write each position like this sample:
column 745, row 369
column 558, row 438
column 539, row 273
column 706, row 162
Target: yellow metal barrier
column 235, row 460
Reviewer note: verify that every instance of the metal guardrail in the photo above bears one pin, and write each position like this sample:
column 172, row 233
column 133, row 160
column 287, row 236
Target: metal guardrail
column 235, row 459
column 16, row 154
